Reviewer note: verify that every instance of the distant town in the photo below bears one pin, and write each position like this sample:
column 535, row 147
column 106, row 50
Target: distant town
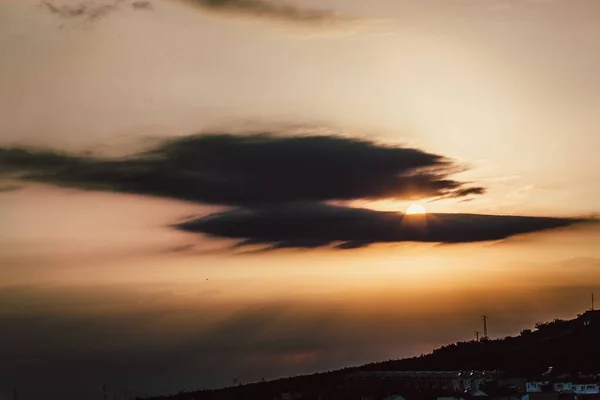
column 466, row 385
column 559, row 360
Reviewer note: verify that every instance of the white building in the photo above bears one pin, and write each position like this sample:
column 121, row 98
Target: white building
column 586, row 388
column 534, row 387
column 562, row 386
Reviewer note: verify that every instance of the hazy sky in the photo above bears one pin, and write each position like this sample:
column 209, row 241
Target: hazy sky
column 464, row 106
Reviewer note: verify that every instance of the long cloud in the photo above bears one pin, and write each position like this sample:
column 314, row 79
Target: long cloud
column 311, row 225
column 88, row 11
column 91, row 10
column 280, row 187
column 264, row 9
column 250, row 170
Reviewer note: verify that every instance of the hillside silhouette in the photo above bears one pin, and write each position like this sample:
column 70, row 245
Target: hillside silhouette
column 569, row 346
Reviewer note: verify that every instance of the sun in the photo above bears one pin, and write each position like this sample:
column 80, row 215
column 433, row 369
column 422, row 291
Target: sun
column 415, row 209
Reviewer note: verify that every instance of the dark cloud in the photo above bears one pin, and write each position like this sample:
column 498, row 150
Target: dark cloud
column 265, row 9
column 90, row 10
column 305, row 225
column 251, row 170
column 142, row 5
column 9, row 188
column 66, row 11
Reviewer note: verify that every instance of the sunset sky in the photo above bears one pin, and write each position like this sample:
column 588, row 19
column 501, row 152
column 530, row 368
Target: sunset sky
column 197, row 191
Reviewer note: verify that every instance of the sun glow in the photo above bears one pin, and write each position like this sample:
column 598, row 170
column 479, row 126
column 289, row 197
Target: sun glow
column 415, row 209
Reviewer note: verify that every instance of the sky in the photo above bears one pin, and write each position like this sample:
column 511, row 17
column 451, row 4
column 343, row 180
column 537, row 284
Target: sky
column 197, row 191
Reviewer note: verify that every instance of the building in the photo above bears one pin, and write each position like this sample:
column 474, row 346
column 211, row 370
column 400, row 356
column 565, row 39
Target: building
column 562, row 387
column 540, row 396
column 586, row 388
column 536, row 386
column 453, row 381
column 516, row 383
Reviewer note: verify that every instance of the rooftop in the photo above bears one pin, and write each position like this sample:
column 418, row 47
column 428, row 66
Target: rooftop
column 423, row 374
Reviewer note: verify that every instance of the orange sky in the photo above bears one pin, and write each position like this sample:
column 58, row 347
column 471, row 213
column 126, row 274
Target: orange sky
column 510, row 89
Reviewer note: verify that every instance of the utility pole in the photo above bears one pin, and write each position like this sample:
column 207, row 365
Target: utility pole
column 485, row 335
column 14, row 393
column 592, row 301
column 104, row 391
column 477, row 335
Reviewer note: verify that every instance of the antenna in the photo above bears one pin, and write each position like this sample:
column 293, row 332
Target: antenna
column 477, row 335
column 485, row 335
